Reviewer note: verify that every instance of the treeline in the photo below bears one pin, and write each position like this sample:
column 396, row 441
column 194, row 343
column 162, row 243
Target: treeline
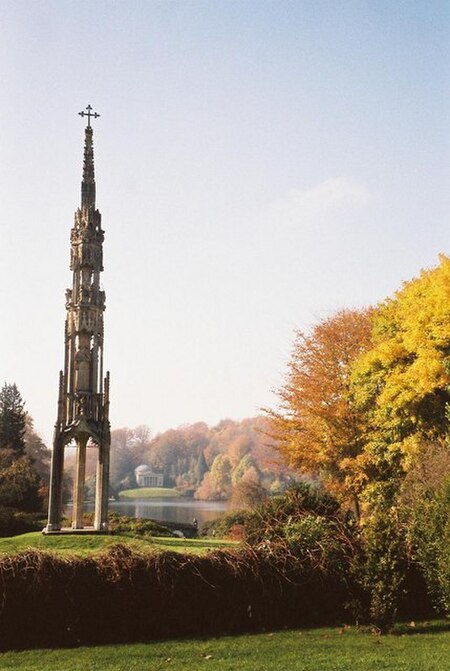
column 24, row 465
column 233, row 458
column 365, row 408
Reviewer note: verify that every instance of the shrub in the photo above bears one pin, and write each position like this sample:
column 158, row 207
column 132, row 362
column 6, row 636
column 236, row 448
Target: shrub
column 222, row 526
column 139, row 526
column 429, row 535
column 383, row 570
column 425, row 515
column 266, row 521
column 14, row 522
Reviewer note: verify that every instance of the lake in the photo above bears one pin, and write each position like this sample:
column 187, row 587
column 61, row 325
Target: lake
column 166, row 510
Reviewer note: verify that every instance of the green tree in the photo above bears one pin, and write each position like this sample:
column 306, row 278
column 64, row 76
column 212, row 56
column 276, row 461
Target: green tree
column 20, row 486
column 12, row 423
column 20, row 447
column 424, row 505
column 201, row 467
column 36, row 450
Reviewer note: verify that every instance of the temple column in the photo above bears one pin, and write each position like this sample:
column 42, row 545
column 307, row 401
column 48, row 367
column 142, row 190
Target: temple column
column 55, row 493
column 78, row 488
column 101, row 488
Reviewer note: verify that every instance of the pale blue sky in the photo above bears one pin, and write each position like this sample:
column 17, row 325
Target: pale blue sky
column 259, row 165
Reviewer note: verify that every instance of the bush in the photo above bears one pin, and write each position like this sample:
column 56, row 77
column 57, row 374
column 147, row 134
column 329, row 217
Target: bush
column 14, row 522
column 429, row 535
column 121, row 524
column 266, row 521
column 383, row 570
column 424, row 505
column 222, row 526
column 319, row 539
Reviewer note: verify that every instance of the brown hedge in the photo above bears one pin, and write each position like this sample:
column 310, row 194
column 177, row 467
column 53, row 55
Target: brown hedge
column 123, row 596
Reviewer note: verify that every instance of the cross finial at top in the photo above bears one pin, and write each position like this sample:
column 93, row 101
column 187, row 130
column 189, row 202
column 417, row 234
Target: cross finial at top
column 89, row 114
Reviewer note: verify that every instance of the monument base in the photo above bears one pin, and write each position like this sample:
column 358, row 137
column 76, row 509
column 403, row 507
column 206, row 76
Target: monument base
column 67, row 531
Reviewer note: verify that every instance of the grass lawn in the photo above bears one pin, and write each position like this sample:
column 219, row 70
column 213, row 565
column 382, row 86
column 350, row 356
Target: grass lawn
column 69, row 544
column 425, row 648
column 149, row 493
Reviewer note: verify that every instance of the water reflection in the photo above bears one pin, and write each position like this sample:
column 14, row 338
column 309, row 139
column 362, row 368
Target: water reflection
column 166, row 510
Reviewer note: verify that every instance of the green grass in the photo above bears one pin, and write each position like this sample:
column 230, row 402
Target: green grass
column 149, row 493
column 425, row 649
column 68, row 544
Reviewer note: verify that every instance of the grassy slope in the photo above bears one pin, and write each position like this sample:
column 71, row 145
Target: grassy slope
column 309, row 650
column 85, row 545
column 149, row 493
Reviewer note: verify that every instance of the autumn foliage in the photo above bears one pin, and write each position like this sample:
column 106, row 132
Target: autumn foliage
column 365, row 404
column 208, row 462
column 318, row 427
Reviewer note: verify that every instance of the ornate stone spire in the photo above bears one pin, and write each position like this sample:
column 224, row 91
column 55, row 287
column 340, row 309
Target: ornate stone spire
column 88, row 183
column 83, row 391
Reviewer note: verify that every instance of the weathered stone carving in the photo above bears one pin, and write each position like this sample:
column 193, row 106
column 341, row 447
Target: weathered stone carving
column 83, row 403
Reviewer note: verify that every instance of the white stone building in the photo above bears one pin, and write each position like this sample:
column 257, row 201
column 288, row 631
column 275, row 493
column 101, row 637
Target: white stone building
column 145, row 477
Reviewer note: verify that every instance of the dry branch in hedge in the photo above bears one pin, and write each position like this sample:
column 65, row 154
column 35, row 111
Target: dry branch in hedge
column 124, row 596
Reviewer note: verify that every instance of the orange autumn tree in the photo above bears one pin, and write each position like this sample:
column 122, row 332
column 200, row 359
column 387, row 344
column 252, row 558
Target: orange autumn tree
column 317, row 427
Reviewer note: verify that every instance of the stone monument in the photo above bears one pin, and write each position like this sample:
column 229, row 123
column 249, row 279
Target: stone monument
column 83, row 403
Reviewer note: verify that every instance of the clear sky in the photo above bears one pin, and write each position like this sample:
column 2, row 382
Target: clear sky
column 259, row 165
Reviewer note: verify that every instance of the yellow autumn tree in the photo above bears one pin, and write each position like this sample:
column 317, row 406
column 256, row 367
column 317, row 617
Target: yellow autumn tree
column 317, row 426
column 402, row 382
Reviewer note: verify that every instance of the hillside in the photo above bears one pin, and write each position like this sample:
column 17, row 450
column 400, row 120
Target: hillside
column 210, row 463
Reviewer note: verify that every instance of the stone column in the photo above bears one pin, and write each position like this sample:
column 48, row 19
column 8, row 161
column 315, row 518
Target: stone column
column 102, row 489
column 55, row 493
column 78, row 488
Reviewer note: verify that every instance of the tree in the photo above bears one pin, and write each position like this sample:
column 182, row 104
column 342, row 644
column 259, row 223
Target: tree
column 36, row 450
column 12, row 422
column 318, row 428
column 217, row 482
column 401, row 383
column 247, row 464
column 201, row 467
column 248, row 494
column 126, row 455
column 20, row 486
column 20, row 482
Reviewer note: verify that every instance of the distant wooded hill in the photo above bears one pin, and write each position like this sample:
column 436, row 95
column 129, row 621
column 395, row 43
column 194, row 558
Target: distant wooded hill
column 205, row 462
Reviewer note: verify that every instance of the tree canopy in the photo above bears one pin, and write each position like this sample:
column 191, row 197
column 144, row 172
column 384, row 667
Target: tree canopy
column 402, row 382
column 318, row 427
column 12, row 421
column 22, row 454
